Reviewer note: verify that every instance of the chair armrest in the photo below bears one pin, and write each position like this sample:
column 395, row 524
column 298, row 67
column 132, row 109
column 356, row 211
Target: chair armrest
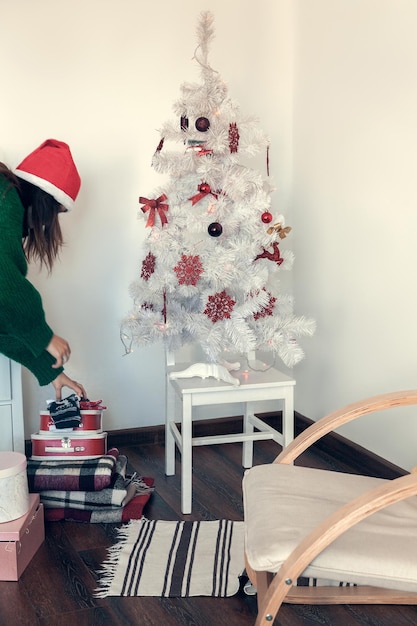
column 330, row 529
column 342, row 416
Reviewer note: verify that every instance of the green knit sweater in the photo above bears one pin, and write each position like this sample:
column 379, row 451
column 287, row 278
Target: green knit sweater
column 24, row 333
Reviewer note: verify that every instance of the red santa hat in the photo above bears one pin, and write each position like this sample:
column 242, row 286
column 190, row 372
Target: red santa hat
column 51, row 168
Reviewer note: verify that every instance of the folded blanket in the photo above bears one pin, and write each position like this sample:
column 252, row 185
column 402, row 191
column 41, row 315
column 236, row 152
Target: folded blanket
column 132, row 510
column 121, row 490
column 72, row 475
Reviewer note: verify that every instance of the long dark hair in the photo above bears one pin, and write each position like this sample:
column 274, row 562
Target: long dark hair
column 41, row 234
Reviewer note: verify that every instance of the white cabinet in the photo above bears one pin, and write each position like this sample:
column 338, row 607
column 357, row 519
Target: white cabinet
column 12, row 432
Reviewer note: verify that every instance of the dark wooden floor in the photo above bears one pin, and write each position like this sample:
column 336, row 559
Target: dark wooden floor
column 57, row 587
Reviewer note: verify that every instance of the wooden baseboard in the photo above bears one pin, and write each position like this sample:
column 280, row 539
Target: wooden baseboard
column 359, row 459
column 333, row 445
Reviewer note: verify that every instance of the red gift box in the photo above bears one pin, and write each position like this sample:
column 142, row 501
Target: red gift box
column 68, row 445
column 21, row 539
column 90, row 422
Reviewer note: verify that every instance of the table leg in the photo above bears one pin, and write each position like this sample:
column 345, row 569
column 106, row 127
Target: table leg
column 186, row 457
column 288, row 416
column 169, row 438
column 247, row 446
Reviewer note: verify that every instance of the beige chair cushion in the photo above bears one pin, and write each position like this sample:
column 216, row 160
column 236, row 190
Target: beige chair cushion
column 283, row 503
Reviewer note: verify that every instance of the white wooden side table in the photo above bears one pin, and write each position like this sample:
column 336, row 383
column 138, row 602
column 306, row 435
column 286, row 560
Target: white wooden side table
column 254, row 388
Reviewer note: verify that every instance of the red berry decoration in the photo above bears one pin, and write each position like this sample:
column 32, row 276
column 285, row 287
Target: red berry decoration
column 215, row 229
column 266, row 217
column 202, row 124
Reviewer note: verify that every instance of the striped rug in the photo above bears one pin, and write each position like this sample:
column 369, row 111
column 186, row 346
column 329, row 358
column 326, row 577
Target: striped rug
column 174, row 559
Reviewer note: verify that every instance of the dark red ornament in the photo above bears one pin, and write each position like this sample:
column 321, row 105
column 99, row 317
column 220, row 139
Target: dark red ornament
column 184, row 122
column 202, row 124
column 266, row 217
column 215, row 229
column 233, row 137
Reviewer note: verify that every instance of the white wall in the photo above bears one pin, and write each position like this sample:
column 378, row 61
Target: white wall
column 333, row 83
column 103, row 76
column 355, row 210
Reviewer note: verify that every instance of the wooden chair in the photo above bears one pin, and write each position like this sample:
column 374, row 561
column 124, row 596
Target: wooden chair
column 329, row 526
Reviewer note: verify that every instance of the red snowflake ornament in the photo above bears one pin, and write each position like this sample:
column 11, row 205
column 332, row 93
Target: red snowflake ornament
column 148, row 266
column 219, row 306
column 266, row 310
column 189, row 269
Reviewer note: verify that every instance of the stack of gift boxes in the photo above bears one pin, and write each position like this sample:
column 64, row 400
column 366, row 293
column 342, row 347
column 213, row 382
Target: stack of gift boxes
column 69, row 476
column 22, row 529
column 77, row 478
column 70, row 429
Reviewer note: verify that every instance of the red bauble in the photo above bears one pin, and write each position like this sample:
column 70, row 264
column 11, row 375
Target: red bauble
column 266, row 217
column 204, row 188
column 215, row 229
column 202, row 124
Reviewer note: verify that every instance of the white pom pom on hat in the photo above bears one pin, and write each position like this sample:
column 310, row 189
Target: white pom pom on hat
column 51, row 168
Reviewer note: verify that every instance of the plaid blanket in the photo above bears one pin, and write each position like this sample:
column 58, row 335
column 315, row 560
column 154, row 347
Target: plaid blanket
column 121, row 490
column 106, row 515
column 72, row 475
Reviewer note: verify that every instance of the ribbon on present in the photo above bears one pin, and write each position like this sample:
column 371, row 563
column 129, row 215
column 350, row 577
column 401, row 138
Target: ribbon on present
column 153, row 206
column 88, row 405
column 203, row 190
column 199, row 149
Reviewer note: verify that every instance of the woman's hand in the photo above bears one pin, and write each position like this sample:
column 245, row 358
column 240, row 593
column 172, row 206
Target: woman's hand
column 59, row 348
column 62, row 380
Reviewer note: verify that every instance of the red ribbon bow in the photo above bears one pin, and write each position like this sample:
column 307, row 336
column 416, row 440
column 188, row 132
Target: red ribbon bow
column 155, row 205
column 204, row 190
column 86, row 405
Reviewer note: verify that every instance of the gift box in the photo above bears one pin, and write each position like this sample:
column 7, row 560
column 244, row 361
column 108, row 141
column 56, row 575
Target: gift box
column 68, row 445
column 20, row 539
column 14, row 492
column 91, row 421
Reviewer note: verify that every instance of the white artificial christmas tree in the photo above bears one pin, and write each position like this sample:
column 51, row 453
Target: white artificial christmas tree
column 210, row 268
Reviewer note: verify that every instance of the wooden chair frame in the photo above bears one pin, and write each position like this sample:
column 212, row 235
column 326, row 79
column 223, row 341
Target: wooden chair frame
column 274, row 589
